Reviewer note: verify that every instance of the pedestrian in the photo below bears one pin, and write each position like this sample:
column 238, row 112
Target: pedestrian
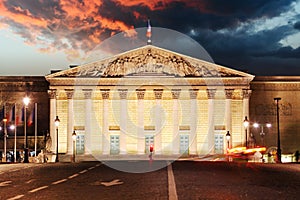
column 297, row 156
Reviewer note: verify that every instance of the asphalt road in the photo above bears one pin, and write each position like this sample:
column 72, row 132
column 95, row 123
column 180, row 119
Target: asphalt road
column 181, row 180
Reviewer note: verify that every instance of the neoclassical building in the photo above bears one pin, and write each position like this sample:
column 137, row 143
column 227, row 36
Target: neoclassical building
column 149, row 95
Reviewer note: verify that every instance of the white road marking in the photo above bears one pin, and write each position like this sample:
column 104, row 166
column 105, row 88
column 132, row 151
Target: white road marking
column 38, row 189
column 60, row 181
column 112, row 183
column 171, row 184
column 83, row 171
column 16, row 197
column 73, row 176
column 5, row 183
column 31, row 180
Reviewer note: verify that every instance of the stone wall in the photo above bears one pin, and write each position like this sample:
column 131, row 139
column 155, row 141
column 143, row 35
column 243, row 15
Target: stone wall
column 12, row 91
column 263, row 109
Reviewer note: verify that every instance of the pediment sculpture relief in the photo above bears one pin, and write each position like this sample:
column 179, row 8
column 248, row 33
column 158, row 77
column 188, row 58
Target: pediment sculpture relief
column 148, row 61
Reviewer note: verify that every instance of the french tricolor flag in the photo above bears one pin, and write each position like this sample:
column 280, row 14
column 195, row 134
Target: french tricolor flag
column 11, row 115
column 31, row 118
column 149, row 30
column 20, row 117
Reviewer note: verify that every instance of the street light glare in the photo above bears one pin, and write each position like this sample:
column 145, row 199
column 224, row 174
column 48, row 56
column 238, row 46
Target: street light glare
column 256, row 125
column 269, row 125
column 74, row 136
column 26, row 101
column 246, row 122
column 56, row 121
column 12, row 127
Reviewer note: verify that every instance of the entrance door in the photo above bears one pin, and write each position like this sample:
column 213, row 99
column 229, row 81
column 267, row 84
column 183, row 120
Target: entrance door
column 80, row 144
column 114, row 144
column 184, row 144
column 149, row 139
column 219, row 143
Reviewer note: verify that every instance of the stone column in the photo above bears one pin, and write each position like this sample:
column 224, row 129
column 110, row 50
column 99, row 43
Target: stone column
column 105, row 125
column 158, row 121
column 140, row 128
column 193, row 122
column 211, row 125
column 70, row 125
column 123, row 119
column 246, row 97
column 228, row 114
column 175, row 96
column 52, row 96
column 88, row 113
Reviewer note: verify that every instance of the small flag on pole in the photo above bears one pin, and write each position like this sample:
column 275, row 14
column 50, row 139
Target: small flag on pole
column 2, row 113
column 20, row 117
column 148, row 34
column 31, row 118
column 11, row 114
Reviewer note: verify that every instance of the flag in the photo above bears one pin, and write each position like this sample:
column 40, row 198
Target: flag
column 2, row 113
column 11, row 114
column 31, row 118
column 148, row 34
column 20, row 117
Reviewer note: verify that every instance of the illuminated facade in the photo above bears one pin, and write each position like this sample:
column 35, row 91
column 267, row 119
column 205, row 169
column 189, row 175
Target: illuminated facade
column 149, row 95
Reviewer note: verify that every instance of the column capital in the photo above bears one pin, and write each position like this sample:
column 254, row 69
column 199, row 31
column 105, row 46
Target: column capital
column 175, row 93
column 52, row 93
column 70, row 93
column 140, row 93
column 158, row 93
column 123, row 93
column 87, row 93
column 211, row 93
column 228, row 93
column 193, row 93
column 105, row 93
column 246, row 93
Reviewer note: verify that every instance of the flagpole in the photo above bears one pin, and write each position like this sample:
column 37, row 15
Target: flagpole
column 15, row 143
column 35, row 128
column 5, row 132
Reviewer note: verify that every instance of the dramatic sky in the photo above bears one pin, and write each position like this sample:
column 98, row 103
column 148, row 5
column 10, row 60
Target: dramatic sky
column 261, row 37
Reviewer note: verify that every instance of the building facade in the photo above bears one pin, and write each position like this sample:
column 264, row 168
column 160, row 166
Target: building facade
column 180, row 105
column 145, row 96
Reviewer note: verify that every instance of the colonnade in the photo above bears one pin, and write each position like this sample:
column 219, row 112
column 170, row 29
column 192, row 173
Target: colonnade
column 158, row 93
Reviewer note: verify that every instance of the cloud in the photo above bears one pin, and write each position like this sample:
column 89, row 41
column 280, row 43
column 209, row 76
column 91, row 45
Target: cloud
column 297, row 25
column 236, row 33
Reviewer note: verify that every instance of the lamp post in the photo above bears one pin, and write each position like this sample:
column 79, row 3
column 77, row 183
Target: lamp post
column 228, row 139
column 56, row 122
column 5, row 136
column 246, row 124
column 26, row 101
column 277, row 99
column 262, row 133
column 74, row 145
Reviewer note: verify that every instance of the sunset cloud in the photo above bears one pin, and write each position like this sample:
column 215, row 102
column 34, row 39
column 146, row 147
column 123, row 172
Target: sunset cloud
column 224, row 28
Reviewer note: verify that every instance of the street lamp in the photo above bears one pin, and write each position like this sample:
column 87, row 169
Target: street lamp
column 246, row 124
column 228, row 139
column 56, row 122
column 5, row 137
column 277, row 99
column 262, row 134
column 74, row 145
column 26, row 101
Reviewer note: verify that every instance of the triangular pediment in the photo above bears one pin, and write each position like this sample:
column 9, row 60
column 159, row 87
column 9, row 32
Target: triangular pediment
column 149, row 61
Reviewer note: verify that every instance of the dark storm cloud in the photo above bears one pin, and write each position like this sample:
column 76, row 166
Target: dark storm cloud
column 297, row 25
column 80, row 25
